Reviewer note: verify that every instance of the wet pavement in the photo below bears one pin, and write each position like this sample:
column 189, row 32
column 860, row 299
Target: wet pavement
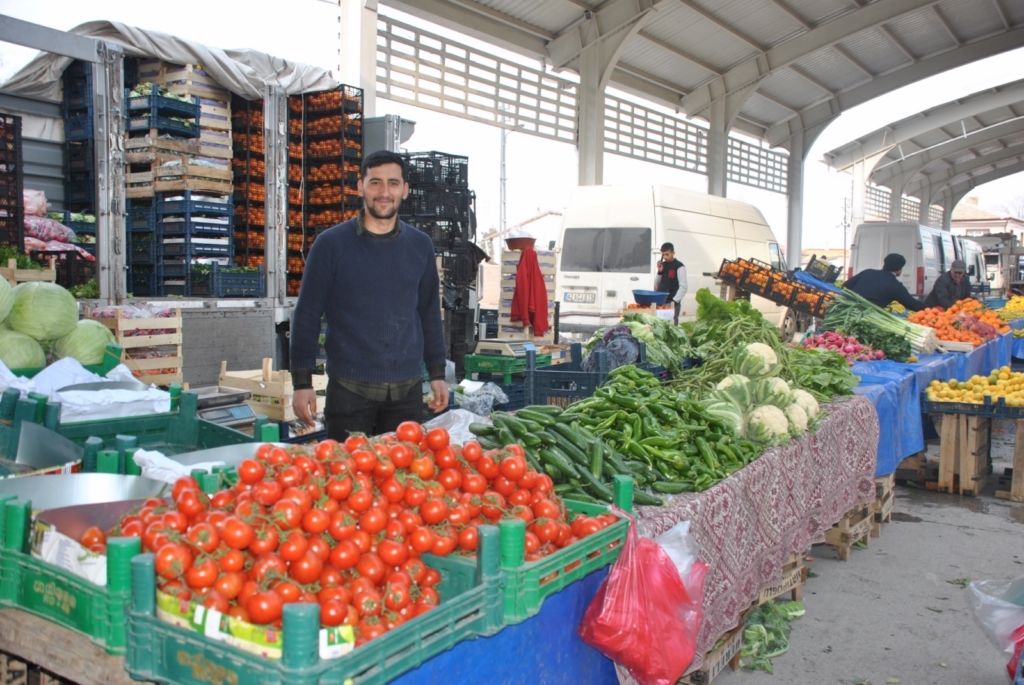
column 896, row 612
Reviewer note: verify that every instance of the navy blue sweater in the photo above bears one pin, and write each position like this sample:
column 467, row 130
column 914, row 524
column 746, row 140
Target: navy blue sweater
column 380, row 296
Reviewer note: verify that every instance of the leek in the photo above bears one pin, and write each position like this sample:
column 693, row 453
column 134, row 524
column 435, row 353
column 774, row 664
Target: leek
column 851, row 308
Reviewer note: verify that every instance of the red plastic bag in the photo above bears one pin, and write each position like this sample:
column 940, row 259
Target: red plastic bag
column 1017, row 659
column 644, row 616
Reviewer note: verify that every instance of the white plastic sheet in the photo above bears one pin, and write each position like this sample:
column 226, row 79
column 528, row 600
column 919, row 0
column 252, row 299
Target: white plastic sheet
column 156, row 466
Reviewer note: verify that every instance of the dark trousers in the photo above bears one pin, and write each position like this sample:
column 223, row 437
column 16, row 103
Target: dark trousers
column 675, row 319
column 348, row 412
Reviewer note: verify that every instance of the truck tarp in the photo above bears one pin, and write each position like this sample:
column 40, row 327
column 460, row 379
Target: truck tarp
column 244, row 72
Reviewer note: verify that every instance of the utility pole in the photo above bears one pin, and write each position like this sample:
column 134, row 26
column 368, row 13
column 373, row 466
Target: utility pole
column 846, row 228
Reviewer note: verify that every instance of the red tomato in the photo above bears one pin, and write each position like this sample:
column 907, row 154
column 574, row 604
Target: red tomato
column 458, row 515
column 363, row 540
column 520, row 498
column 366, row 460
column 428, row 595
column 237, row 533
column 410, row 519
column 267, row 492
column 524, row 513
column 203, row 574
column 278, row 456
column 216, row 601
column 326, row 449
column 372, row 567
column 493, row 505
column 402, row 456
column 266, row 540
column 431, row 578
column 531, row 543
column 267, row 564
column 229, row 585
column 546, row 530
column 395, row 530
column 544, row 483
column 472, row 504
column 93, row 535
column 422, row 539
column 251, row 471
column 369, row 603
column 183, row 483
column 132, row 529
column 444, row 545
column 264, row 607
column 450, row 478
column 409, row 431
column 437, row 438
column 487, row 467
column 176, row 521
column 471, row 451
column 393, row 490
column 316, row 521
column 293, row 546
column 528, row 481
column 286, row 514
column 173, row 560
column 306, row 569
column 513, row 467
column 300, row 496
column 504, row 486
column 319, row 547
column 373, row 520
column 345, row 555
column 423, row 466
column 415, row 496
column 231, row 560
column 545, row 508
column 475, row 484
column 339, row 487
column 332, row 612
column 154, row 536
column 396, row 596
column 361, row 500
column 445, row 458
column 589, row 527
column 392, row 553
column 222, row 499
column 434, row 511
column 204, row 537
column 338, row 592
column 342, row 526
column 385, row 468
column 468, row 538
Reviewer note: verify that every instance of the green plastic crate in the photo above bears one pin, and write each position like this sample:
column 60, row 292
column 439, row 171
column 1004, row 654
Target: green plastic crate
column 39, row 588
column 529, row 583
column 505, row 366
column 164, row 653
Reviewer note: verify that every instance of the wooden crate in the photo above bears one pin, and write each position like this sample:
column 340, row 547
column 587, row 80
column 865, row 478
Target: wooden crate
column 13, row 275
column 1016, row 491
column 177, row 178
column 882, row 507
column 794, row 575
column 272, row 391
column 964, row 454
column 148, row 370
column 13, row 671
column 854, row 527
column 152, row 142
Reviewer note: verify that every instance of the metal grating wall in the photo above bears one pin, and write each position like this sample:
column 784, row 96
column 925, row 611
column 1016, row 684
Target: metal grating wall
column 910, row 209
column 876, row 203
column 756, row 166
column 426, row 70
column 636, row 131
column 935, row 216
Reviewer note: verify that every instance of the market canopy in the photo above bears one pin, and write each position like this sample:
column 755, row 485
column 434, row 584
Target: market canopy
column 244, row 72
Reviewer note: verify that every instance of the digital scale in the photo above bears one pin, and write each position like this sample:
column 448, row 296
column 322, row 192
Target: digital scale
column 225, row 406
column 504, row 348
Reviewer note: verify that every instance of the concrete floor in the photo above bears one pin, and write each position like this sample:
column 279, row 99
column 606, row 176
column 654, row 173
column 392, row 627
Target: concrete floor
column 890, row 614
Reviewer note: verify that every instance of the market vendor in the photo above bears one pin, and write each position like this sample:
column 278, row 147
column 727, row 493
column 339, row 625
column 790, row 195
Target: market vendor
column 882, row 287
column 671, row 277
column 375, row 279
column 950, row 287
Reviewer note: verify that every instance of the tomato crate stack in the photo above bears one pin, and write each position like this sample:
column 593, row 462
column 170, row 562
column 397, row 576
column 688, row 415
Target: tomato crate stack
column 11, row 181
column 152, row 345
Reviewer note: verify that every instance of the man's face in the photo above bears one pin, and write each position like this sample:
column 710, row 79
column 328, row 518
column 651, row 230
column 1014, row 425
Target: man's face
column 383, row 190
column 957, row 275
column 667, row 255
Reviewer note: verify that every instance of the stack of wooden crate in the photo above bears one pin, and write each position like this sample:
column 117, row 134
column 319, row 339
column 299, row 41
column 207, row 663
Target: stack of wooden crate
column 507, row 329
column 151, row 347
column 213, row 99
column 271, row 390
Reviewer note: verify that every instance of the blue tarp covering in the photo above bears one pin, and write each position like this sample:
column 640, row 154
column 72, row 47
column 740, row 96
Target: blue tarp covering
column 1018, row 343
column 884, row 399
column 813, row 282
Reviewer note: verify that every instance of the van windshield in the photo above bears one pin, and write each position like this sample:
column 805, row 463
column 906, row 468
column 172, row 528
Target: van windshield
column 617, row 250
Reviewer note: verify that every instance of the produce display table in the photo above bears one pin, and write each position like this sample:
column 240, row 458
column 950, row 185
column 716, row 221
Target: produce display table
column 1017, row 344
column 748, row 524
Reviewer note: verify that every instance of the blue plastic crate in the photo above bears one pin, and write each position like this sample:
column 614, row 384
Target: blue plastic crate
column 190, row 249
column 80, row 177
column 188, row 129
column 78, row 226
column 140, row 219
column 78, row 128
column 78, row 95
column 82, row 192
column 174, row 268
column 158, row 105
column 142, row 248
column 187, row 226
column 218, row 283
column 79, row 157
column 143, row 283
column 189, row 206
column 516, row 391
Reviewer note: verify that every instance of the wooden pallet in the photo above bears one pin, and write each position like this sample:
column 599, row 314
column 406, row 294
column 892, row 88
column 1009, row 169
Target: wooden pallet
column 794, row 575
column 271, row 390
column 150, row 371
column 854, row 527
column 727, row 653
column 1016, row 491
column 13, row 275
column 177, row 178
column 882, row 507
column 964, row 452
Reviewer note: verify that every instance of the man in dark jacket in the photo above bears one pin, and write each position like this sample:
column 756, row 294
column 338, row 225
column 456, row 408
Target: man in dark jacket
column 881, row 287
column 950, row 287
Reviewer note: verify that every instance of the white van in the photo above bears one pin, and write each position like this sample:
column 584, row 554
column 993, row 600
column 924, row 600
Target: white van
column 974, row 256
column 929, row 252
column 611, row 243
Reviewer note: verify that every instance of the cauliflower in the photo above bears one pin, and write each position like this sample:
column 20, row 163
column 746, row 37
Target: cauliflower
column 797, row 419
column 755, row 360
column 806, row 402
column 767, row 425
column 732, row 379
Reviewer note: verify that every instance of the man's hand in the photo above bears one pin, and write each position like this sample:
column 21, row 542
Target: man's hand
column 304, row 404
column 440, row 401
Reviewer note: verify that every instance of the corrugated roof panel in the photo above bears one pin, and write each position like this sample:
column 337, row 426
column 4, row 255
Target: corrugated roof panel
column 933, row 167
column 1013, row 139
column 758, row 20
column 818, row 12
column 920, row 32
column 830, row 68
column 981, row 150
column 874, row 51
column 934, row 137
column 791, row 89
column 544, row 14
column 695, row 35
column 995, row 116
column 656, row 61
column 971, row 19
column 764, row 110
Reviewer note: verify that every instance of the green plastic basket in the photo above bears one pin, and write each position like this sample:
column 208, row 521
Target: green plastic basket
column 471, row 606
column 45, row 590
column 504, row 366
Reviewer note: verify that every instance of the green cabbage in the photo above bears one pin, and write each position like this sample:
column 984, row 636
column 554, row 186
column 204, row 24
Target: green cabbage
column 18, row 351
column 43, row 311
column 86, row 343
column 6, row 298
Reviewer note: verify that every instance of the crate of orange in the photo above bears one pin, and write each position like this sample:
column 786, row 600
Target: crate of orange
column 965, row 322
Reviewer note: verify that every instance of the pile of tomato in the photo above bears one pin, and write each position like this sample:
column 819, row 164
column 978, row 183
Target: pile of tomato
column 344, row 526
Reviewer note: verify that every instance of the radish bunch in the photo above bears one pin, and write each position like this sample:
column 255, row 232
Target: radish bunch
column 844, row 345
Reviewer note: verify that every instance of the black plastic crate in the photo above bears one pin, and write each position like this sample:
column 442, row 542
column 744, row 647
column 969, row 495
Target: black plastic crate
column 162, row 124
column 78, row 128
column 437, row 201
column 161, row 105
column 446, row 234
column 79, row 157
column 516, row 392
column 77, row 71
column 218, row 283
column 140, row 219
column 564, row 384
column 822, row 270
column 189, row 206
column 142, row 248
column 438, row 167
column 459, row 326
column 76, row 226
column 142, row 282
column 458, row 266
column 989, row 408
column 72, row 268
column 78, row 95
column 82, row 192
column 189, row 226
column 11, row 182
column 80, row 178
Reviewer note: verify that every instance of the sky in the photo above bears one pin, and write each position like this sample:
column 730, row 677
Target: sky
column 541, row 173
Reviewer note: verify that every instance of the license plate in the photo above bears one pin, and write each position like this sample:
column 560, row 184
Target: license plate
column 583, row 298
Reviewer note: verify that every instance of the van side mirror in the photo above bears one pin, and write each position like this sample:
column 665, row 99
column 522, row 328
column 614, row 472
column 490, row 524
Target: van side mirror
column 971, row 270
column 991, row 277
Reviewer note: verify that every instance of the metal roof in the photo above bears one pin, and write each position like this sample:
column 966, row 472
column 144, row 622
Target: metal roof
column 945, row 151
column 788, row 66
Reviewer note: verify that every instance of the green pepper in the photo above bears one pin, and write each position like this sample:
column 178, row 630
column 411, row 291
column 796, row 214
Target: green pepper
column 658, row 442
column 706, row 454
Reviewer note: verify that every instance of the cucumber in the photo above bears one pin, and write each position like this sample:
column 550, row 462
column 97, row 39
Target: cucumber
column 569, row 434
column 596, row 459
column 506, row 421
column 506, row 437
column 489, row 442
column 671, row 487
column 647, row 500
column 578, row 456
column 531, row 426
column 558, row 461
column 549, row 409
column 555, row 475
column 578, row 495
column 482, row 429
column 594, row 486
column 531, row 440
column 536, row 416
column 533, row 458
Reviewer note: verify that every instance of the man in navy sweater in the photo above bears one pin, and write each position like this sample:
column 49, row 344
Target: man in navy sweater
column 375, row 279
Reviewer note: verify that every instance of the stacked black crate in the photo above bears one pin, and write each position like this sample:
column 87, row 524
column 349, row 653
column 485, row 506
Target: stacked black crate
column 79, row 149
column 441, row 205
column 249, row 167
column 11, row 183
column 161, row 136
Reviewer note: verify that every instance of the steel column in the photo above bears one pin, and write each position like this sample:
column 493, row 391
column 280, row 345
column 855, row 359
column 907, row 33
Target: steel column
column 108, row 136
column 275, row 124
column 795, row 199
column 590, row 141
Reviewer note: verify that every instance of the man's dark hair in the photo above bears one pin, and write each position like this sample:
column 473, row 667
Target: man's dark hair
column 668, row 246
column 382, row 157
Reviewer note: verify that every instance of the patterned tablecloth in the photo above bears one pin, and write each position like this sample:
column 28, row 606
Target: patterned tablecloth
column 748, row 524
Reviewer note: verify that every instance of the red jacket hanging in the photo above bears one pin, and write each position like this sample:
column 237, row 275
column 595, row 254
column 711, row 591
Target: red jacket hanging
column 530, row 300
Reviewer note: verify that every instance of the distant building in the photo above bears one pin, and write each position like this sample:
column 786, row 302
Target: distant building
column 970, row 220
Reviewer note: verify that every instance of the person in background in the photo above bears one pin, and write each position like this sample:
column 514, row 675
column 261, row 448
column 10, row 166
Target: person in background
column 375, row 279
column 950, row 287
column 881, row 286
column 671, row 277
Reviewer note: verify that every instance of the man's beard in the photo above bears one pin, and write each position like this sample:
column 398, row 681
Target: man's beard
column 389, row 215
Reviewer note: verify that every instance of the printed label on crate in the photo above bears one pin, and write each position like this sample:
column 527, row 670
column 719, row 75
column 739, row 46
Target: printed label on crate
column 67, row 554
column 794, row 578
column 336, row 642
column 265, row 642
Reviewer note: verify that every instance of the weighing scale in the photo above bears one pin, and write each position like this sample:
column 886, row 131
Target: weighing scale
column 225, row 406
column 504, row 348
